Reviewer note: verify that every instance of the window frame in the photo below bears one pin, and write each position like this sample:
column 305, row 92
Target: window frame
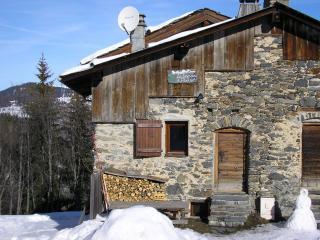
column 170, row 153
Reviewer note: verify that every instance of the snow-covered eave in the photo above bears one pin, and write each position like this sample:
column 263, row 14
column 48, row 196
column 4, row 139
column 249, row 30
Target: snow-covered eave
column 90, row 65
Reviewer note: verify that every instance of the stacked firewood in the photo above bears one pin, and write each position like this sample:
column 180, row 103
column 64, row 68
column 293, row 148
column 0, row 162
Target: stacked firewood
column 127, row 189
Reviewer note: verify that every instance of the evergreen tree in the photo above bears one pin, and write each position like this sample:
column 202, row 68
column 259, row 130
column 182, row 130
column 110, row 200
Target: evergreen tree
column 43, row 115
column 46, row 158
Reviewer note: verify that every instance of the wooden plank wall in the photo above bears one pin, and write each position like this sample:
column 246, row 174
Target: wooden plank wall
column 311, row 151
column 123, row 95
column 300, row 42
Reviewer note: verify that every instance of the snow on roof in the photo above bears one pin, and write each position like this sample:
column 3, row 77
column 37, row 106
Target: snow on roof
column 169, row 21
column 104, row 51
column 97, row 61
column 91, row 64
column 126, row 41
column 186, row 33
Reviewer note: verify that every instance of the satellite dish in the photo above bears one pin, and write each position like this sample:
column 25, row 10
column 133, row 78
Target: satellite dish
column 128, row 19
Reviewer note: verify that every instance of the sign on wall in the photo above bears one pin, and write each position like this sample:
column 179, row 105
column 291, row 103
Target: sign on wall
column 182, row 76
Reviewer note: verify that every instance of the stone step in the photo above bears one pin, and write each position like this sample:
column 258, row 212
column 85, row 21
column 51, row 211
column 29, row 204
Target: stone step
column 229, row 193
column 229, row 209
column 231, row 198
column 316, row 215
column 233, row 208
column 223, row 213
column 315, row 202
column 315, row 192
column 230, row 218
column 225, row 224
column 229, row 203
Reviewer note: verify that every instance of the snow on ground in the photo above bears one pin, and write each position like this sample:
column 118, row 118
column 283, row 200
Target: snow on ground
column 136, row 223
column 37, row 226
column 14, row 110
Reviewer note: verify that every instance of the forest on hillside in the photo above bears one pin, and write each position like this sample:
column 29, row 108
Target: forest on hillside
column 46, row 157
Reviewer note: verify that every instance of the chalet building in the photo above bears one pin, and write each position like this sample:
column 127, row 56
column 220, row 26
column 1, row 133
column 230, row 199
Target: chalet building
column 225, row 109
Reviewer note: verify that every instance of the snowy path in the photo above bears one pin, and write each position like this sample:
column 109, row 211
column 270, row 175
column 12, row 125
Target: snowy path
column 63, row 226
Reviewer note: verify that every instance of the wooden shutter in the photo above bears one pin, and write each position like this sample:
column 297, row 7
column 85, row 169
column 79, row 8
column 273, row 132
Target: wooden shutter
column 148, row 138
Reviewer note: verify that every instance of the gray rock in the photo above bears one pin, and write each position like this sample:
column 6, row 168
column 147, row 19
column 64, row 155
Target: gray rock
column 276, row 176
column 174, row 189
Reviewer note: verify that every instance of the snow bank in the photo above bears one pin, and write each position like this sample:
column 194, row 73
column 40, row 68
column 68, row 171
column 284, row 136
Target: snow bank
column 81, row 232
column 143, row 223
column 146, row 223
column 36, row 226
column 136, row 223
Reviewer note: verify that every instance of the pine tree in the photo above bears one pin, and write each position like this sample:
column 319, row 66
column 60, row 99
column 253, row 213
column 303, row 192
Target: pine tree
column 44, row 74
column 43, row 117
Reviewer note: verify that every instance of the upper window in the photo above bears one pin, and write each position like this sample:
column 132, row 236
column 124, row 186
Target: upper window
column 177, row 138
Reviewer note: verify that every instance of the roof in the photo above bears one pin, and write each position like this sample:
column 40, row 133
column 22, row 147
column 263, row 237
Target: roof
column 99, row 61
column 181, row 38
column 152, row 32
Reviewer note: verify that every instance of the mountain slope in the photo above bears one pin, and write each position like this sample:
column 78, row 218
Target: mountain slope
column 20, row 94
column 12, row 99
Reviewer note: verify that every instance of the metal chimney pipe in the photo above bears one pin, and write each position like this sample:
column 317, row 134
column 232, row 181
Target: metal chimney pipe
column 270, row 3
column 247, row 7
column 137, row 37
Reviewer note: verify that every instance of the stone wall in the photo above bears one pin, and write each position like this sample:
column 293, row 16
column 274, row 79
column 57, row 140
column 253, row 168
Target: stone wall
column 269, row 102
column 188, row 177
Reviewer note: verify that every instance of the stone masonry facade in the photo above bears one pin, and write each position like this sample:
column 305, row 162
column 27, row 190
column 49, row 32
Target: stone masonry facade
column 271, row 102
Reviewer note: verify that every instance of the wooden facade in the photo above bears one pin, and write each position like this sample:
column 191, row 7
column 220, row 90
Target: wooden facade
column 300, row 41
column 122, row 87
column 123, row 96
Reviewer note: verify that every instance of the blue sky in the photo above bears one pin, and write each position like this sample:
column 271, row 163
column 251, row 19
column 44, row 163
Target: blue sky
column 68, row 30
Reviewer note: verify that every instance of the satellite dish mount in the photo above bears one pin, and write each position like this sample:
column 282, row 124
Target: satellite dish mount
column 128, row 19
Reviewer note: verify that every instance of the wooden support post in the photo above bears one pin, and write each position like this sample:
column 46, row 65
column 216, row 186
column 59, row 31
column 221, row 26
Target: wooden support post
column 96, row 204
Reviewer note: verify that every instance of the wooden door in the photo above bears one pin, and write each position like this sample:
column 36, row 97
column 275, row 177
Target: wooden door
column 230, row 160
column 311, row 151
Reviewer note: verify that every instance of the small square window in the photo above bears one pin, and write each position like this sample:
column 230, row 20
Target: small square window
column 177, row 138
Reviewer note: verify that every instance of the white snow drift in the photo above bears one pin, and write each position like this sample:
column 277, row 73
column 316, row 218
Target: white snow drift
column 136, row 223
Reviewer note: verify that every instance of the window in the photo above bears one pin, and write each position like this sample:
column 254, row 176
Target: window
column 177, row 138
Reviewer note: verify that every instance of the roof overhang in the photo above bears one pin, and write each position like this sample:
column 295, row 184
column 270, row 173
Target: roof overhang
column 72, row 79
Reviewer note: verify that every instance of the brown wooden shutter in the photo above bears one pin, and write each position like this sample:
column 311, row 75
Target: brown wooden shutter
column 148, row 138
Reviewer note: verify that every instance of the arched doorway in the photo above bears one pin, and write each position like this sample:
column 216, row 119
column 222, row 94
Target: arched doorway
column 230, row 165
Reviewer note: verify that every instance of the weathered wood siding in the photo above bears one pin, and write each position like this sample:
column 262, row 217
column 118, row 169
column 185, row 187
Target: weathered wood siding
column 122, row 95
column 300, row 41
column 311, row 151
